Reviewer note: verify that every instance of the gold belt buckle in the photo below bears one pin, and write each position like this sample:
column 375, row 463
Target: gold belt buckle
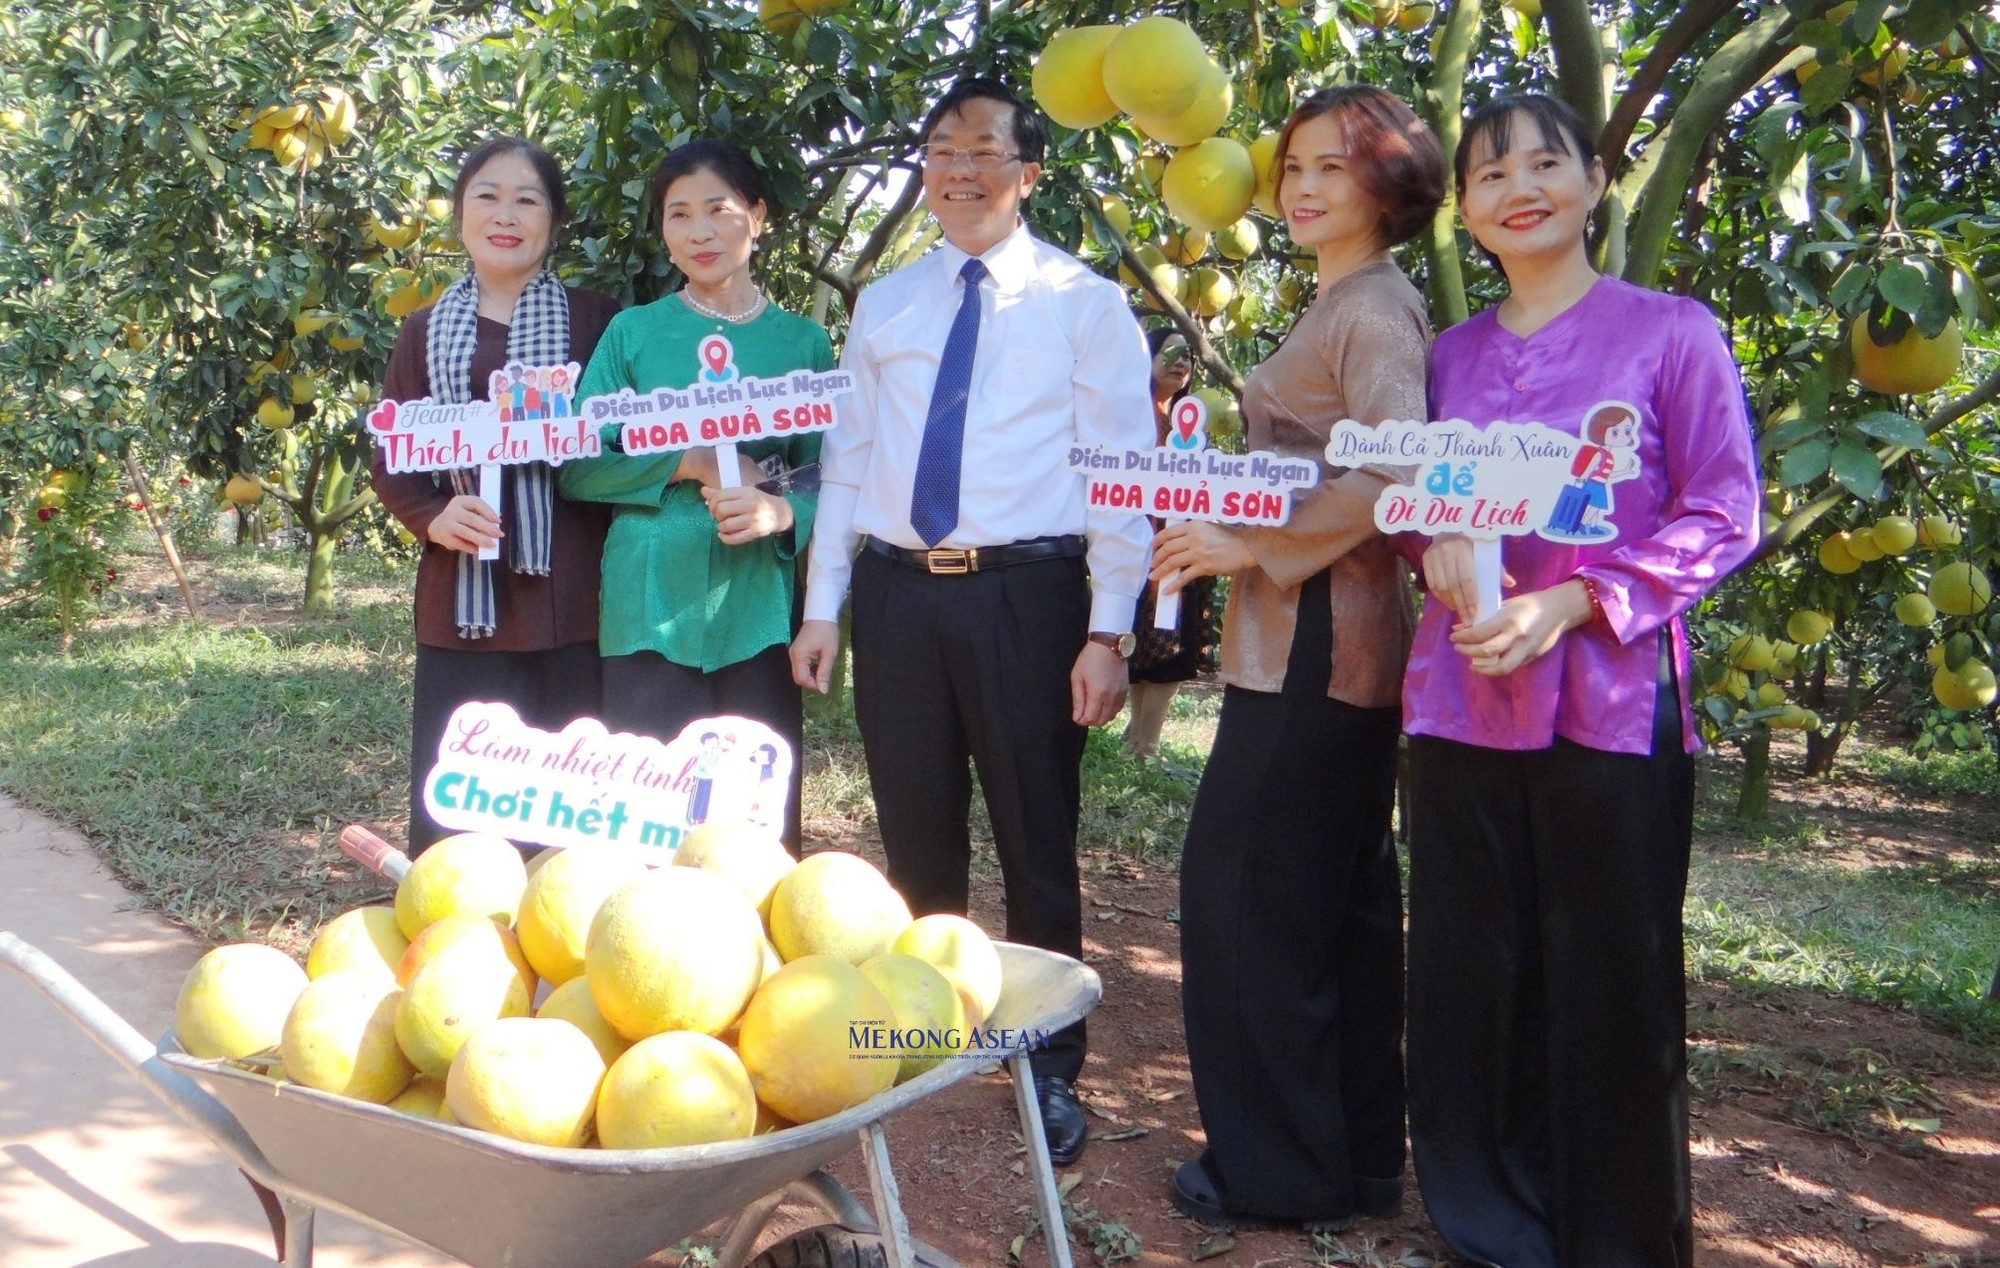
column 949, row 563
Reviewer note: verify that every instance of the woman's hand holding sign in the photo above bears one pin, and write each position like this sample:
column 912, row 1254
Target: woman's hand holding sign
column 745, row 514
column 1526, row 628
column 465, row 524
column 1194, row 548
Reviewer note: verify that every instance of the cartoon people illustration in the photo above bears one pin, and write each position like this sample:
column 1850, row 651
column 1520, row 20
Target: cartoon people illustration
column 534, row 399
column 713, row 748
column 496, row 391
column 1608, row 455
column 765, row 759
column 559, row 402
column 517, row 391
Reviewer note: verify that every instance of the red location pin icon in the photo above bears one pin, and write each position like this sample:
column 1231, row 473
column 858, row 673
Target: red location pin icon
column 716, row 355
column 1189, row 415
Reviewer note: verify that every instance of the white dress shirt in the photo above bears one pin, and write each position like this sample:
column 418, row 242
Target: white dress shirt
column 1060, row 362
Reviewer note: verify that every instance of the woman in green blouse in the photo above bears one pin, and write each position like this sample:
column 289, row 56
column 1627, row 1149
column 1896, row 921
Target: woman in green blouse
column 699, row 580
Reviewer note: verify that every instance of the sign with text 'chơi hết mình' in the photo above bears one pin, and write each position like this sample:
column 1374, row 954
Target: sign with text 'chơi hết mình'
column 585, row 787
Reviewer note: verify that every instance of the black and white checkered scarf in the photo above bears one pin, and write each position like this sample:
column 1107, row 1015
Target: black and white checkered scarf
column 538, row 336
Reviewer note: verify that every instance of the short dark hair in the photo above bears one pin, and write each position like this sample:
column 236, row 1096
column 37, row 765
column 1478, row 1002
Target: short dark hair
column 1031, row 135
column 547, row 170
column 1396, row 156
column 725, row 160
column 1492, row 125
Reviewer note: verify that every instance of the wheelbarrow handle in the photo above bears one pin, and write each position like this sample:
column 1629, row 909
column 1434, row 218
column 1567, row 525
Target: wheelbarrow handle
column 373, row 853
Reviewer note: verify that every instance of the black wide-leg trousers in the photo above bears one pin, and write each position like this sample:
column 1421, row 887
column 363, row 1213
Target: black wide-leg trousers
column 647, row 694
column 1292, row 943
column 975, row 668
column 548, row 689
column 1547, row 1059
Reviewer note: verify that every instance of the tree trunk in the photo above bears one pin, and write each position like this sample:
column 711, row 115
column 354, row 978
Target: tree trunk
column 319, row 571
column 1753, row 798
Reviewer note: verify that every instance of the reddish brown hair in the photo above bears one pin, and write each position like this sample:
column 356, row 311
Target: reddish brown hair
column 1600, row 424
column 1396, row 156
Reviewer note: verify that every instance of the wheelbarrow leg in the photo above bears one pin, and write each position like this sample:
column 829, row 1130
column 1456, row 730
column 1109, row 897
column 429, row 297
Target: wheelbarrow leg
column 890, row 1220
column 743, row 1231
column 298, row 1252
column 1041, row 1171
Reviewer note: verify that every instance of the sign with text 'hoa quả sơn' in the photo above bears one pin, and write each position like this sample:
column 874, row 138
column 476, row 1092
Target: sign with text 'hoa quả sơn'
column 1183, row 479
column 585, row 787
column 1501, row 480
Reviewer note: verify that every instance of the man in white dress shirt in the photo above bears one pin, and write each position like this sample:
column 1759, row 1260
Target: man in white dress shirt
column 992, row 608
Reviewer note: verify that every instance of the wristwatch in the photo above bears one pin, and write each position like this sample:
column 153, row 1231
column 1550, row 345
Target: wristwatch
column 1124, row 642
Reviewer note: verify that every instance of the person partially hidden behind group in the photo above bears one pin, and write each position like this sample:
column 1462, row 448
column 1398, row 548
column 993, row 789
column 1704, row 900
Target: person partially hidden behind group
column 1291, row 904
column 1551, row 780
column 991, row 607
column 522, row 629
column 700, row 580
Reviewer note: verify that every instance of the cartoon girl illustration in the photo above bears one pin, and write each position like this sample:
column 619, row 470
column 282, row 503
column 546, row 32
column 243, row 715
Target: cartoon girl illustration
column 766, row 761
column 559, row 403
column 1608, row 455
column 496, row 391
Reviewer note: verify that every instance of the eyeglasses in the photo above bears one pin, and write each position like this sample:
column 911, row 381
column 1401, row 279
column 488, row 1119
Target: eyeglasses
column 946, row 157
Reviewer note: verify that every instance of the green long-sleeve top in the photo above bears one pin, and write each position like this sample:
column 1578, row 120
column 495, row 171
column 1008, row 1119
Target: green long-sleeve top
column 669, row 585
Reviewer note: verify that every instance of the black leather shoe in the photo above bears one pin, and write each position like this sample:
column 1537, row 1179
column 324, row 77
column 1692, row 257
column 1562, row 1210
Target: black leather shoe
column 1063, row 1124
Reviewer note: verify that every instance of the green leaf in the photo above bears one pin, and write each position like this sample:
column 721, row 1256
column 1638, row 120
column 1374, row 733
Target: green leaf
column 1853, row 280
column 1888, row 426
column 1806, row 462
column 1903, row 284
column 1857, row 469
column 1789, row 433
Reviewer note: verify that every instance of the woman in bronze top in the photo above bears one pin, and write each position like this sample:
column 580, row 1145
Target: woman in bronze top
column 1291, row 905
column 521, row 629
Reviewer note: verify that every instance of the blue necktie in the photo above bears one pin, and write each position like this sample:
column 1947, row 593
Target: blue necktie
column 934, row 497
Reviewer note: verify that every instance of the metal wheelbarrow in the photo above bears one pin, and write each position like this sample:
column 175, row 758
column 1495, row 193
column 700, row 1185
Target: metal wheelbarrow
column 495, row 1203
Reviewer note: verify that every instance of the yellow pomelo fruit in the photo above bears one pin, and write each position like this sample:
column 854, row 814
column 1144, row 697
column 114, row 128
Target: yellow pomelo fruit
column 772, row 962
column 1529, row 9
column 1415, row 16
column 1225, row 416
column 1894, row 534
column 1835, row 557
column 1155, row 67
column 438, row 210
column 341, row 1037
column 1807, row 627
column 679, row 1088
column 1935, row 655
column 1970, row 686
column 1735, row 684
column 1770, row 695
column 1791, row 718
column 1892, row 62
column 481, row 933
column 1164, row 274
column 561, row 900
column 392, row 235
column 424, row 1098
column 1186, row 248
column 346, row 339
column 836, row 904
column 571, row 1002
column 473, row 873
column 1862, row 545
column 1239, row 241
column 274, row 413
column 1209, row 186
column 1210, row 291
column 288, row 146
column 1201, row 118
column 365, row 938
column 962, row 952
column 1068, row 80
column 242, row 490
column 1117, row 213
column 1916, row 609
column 333, row 118
column 780, row 17
column 1937, row 532
column 750, row 856
column 1913, row 364
column 795, row 1039
column 234, row 1000
column 1264, row 164
column 928, row 1012
column 1149, row 169
column 1960, row 589
column 451, row 998
column 1750, row 652
column 304, row 388
column 677, row 949
column 1784, row 654
column 529, row 1080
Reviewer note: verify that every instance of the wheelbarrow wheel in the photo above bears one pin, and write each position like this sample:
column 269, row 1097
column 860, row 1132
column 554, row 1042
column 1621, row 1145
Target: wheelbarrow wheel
column 833, row 1246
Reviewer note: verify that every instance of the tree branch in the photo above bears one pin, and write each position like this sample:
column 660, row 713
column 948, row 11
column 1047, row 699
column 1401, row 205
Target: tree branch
column 1690, row 22
column 878, row 238
column 1444, row 102
column 1579, row 53
column 1186, row 322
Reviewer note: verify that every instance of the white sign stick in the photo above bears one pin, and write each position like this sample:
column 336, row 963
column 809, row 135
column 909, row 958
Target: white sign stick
column 1486, row 569
column 728, row 468
column 489, row 493
column 1167, row 599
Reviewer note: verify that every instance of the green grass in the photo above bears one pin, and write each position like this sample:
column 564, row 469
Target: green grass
column 1973, row 772
column 1900, row 936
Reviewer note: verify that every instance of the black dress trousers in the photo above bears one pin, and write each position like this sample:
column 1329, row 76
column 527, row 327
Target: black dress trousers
column 1548, row 1090
column 1291, row 943
column 975, row 668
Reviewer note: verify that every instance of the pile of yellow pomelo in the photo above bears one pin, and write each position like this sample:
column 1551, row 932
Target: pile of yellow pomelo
column 736, row 992
column 301, row 132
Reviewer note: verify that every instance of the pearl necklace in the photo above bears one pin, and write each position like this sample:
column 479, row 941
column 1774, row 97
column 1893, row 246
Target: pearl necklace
column 734, row 319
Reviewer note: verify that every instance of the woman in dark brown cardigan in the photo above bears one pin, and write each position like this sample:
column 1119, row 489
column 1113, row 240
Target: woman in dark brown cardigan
column 1291, row 908
column 521, row 629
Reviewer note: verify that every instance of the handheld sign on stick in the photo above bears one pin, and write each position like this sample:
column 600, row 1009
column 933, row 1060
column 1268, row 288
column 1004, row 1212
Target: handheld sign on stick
column 530, row 419
column 1499, row 481
column 585, row 787
column 1185, row 480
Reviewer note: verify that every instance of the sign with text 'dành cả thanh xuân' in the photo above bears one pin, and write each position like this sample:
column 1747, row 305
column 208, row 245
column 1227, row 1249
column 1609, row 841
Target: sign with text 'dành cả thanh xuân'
column 586, row 787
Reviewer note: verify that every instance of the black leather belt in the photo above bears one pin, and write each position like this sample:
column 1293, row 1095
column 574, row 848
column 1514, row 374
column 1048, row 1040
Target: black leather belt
column 981, row 558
